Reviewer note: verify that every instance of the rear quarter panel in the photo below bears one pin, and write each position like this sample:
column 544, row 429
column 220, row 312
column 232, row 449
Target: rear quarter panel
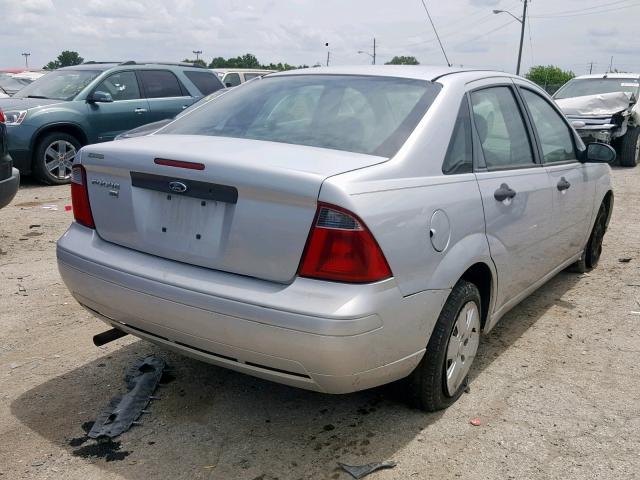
column 400, row 220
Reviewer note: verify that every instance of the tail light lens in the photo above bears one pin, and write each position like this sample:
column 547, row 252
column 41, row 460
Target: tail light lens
column 2, row 119
column 80, row 197
column 342, row 249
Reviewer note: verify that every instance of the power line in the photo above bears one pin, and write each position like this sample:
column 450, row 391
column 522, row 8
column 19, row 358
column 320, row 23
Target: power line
column 587, row 13
column 593, row 7
column 436, row 32
column 485, row 33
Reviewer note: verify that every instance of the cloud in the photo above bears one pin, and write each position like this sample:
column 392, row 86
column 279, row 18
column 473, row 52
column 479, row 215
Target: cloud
column 115, row 9
column 484, row 3
column 603, row 31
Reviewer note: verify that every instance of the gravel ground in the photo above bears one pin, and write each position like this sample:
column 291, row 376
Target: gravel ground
column 554, row 386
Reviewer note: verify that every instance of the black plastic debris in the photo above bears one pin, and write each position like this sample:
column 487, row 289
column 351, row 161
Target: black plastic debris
column 123, row 411
column 361, row 471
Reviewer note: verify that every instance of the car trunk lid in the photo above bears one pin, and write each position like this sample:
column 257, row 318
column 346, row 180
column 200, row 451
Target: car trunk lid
column 248, row 210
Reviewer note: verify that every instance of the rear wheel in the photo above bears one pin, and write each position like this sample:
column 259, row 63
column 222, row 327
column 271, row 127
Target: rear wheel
column 591, row 255
column 630, row 148
column 53, row 157
column 442, row 375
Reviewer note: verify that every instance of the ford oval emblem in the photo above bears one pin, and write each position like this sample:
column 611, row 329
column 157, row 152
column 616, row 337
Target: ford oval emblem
column 177, row 187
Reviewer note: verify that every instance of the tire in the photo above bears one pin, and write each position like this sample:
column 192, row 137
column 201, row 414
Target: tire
column 429, row 386
column 591, row 254
column 53, row 158
column 630, row 148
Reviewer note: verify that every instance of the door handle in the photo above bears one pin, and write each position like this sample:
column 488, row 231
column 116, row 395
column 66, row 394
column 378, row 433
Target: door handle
column 563, row 184
column 503, row 193
column 140, row 110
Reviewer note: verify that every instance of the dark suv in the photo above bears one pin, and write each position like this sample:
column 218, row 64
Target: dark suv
column 9, row 177
column 49, row 120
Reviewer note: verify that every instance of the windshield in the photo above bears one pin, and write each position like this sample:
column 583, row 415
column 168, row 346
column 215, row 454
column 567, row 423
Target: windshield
column 372, row 115
column 59, row 85
column 594, row 86
column 10, row 84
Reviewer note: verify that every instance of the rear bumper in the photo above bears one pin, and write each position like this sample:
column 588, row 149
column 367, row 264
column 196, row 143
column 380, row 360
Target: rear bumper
column 21, row 160
column 9, row 187
column 322, row 336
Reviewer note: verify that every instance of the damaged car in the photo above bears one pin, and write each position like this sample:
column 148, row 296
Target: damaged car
column 605, row 108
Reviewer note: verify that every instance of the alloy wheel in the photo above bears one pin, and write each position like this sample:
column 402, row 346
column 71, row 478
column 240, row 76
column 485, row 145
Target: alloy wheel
column 58, row 159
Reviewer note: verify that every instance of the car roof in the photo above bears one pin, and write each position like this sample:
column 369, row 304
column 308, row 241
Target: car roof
column 609, row 75
column 103, row 66
column 241, row 70
column 418, row 72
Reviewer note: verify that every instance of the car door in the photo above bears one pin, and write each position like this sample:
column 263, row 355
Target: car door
column 573, row 191
column 126, row 111
column 166, row 95
column 515, row 191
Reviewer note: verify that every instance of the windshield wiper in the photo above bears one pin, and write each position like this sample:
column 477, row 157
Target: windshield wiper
column 38, row 96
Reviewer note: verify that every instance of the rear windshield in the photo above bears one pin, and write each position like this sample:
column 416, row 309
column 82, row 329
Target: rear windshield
column 372, row 115
column 596, row 86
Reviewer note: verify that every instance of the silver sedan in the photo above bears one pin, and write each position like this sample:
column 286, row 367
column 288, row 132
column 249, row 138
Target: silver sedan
column 337, row 229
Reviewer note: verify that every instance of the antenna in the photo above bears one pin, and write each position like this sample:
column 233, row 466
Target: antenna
column 436, row 32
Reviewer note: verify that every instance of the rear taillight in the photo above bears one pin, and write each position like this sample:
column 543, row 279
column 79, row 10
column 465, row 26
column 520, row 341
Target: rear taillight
column 342, row 249
column 80, row 197
column 2, row 119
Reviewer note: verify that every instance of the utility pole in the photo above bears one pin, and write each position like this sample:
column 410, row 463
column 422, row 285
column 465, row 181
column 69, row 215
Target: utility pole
column 198, row 53
column 26, row 59
column 590, row 67
column 374, row 50
column 611, row 65
column 524, row 21
column 372, row 55
column 328, row 52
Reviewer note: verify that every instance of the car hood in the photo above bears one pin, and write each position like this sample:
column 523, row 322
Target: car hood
column 604, row 104
column 13, row 103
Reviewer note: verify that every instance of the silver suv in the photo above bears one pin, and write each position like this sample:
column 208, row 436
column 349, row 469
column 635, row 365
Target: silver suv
column 341, row 228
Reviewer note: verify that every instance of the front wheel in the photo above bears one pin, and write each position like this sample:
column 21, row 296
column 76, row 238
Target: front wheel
column 53, row 158
column 442, row 375
column 630, row 148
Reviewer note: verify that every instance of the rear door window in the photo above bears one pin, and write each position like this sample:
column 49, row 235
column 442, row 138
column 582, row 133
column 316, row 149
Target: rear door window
column 554, row 134
column 161, row 84
column 205, row 82
column 232, row 80
column 501, row 129
column 459, row 157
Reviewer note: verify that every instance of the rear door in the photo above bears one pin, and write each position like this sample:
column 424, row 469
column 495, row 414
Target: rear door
column 128, row 109
column 572, row 191
column 515, row 190
column 166, row 95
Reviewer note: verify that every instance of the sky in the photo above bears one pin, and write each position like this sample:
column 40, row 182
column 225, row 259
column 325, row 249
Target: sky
column 567, row 33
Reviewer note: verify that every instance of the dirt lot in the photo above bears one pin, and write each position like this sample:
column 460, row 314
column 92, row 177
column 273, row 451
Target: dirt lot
column 555, row 385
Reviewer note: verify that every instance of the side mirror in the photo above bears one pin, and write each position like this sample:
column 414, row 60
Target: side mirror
column 600, row 153
column 100, row 97
column 228, row 84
